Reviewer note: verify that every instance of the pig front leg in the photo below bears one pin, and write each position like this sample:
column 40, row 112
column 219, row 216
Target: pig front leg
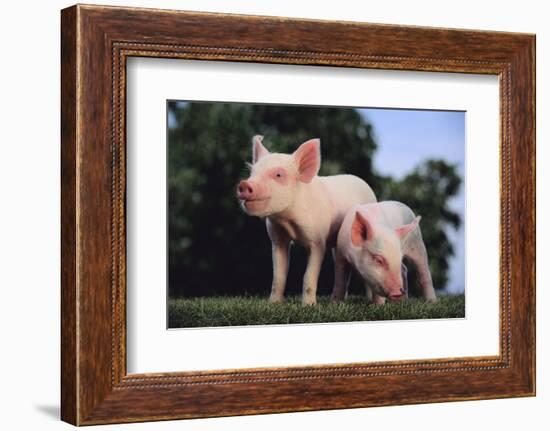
column 378, row 300
column 311, row 276
column 369, row 293
column 280, row 246
column 372, row 296
column 341, row 277
column 280, row 270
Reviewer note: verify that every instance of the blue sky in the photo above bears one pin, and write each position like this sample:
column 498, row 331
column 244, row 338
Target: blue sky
column 405, row 138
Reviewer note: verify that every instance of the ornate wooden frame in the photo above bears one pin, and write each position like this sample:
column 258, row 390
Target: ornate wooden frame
column 95, row 43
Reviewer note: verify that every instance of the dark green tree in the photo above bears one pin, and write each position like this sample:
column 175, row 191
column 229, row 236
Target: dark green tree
column 214, row 248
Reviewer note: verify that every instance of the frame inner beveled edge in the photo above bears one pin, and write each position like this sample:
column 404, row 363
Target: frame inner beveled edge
column 123, row 49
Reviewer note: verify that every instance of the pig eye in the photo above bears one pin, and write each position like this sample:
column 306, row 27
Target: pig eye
column 279, row 175
column 379, row 260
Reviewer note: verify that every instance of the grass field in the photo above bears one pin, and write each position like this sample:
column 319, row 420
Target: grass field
column 251, row 310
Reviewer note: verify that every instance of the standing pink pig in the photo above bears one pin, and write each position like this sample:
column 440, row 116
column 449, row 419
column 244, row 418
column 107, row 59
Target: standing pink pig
column 298, row 206
column 373, row 240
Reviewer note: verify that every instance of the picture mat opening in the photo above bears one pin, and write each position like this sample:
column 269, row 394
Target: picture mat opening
column 153, row 348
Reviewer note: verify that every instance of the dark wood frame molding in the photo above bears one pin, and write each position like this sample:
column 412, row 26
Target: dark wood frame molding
column 95, row 43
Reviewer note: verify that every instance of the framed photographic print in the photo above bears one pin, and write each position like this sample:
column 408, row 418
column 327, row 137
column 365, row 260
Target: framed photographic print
column 319, row 214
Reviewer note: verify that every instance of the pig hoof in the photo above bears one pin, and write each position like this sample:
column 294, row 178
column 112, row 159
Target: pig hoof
column 306, row 302
column 336, row 299
column 276, row 300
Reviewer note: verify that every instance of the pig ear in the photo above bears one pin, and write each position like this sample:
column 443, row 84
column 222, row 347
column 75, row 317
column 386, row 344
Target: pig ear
column 308, row 158
column 258, row 149
column 406, row 229
column 361, row 230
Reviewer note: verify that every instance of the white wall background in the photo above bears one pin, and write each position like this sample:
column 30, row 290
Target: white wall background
column 29, row 214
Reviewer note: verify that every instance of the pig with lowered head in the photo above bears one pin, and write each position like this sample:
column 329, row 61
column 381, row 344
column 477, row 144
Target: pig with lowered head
column 373, row 240
column 298, row 206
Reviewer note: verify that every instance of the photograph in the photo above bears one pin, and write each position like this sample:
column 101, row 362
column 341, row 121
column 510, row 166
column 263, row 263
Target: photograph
column 294, row 214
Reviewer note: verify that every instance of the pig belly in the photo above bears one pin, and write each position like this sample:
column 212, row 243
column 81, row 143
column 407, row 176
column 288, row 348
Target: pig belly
column 344, row 191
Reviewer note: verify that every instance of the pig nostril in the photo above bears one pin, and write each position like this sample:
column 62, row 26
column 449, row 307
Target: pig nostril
column 245, row 189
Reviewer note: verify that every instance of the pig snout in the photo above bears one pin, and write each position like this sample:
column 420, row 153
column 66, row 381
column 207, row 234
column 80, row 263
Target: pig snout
column 253, row 196
column 247, row 190
column 394, row 287
column 397, row 294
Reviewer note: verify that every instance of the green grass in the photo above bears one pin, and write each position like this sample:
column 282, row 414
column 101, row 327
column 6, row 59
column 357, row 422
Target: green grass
column 252, row 310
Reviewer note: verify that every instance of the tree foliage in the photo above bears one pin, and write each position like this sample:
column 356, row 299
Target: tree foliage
column 215, row 249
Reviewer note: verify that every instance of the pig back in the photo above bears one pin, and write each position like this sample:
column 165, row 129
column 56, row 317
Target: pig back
column 344, row 192
column 396, row 213
column 347, row 190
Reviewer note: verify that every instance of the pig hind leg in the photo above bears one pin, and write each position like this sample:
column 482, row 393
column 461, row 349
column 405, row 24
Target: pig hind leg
column 404, row 272
column 415, row 250
column 342, row 271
